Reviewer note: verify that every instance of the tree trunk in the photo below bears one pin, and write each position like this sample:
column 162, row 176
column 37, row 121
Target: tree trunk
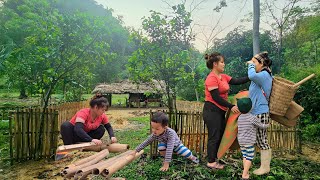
column 256, row 23
column 197, row 94
column 44, row 102
column 280, row 61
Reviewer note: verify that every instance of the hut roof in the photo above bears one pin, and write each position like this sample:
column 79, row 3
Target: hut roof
column 126, row 87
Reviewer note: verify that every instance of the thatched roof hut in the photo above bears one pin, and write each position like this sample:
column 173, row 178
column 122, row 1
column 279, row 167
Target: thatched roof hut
column 129, row 87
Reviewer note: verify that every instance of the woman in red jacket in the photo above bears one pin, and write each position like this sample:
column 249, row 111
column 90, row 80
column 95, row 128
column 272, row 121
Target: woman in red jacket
column 88, row 124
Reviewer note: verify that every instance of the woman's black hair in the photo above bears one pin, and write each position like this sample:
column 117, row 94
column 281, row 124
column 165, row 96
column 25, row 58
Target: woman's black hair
column 99, row 101
column 211, row 58
column 160, row 117
column 264, row 59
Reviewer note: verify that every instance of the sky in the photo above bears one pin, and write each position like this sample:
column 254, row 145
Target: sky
column 204, row 17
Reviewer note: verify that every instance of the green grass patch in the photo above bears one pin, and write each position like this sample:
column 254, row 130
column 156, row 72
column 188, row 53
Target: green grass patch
column 137, row 136
column 119, row 99
column 4, row 142
column 181, row 168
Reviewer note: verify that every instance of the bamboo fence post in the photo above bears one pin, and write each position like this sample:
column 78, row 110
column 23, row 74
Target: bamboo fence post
column 29, row 116
column 181, row 124
column 11, row 135
column 24, row 134
column 37, row 115
column 56, row 131
column 18, row 135
column 194, row 135
column 46, row 133
column 198, row 122
column 188, row 128
column 201, row 137
column 31, row 133
column 299, row 137
column 51, row 131
column 204, row 138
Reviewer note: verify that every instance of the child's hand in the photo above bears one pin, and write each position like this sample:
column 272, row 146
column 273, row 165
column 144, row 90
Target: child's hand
column 235, row 110
column 113, row 140
column 133, row 153
column 165, row 166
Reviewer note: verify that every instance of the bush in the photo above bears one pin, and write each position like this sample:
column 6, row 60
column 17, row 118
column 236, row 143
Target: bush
column 308, row 96
column 312, row 132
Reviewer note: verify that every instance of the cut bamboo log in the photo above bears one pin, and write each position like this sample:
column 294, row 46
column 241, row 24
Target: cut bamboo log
column 91, row 146
column 69, row 172
column 66, row 148
column 96, row 168
column 96, row 148
column 120, row 164
column 116, row 147
column 99, row 169
column 82, row 161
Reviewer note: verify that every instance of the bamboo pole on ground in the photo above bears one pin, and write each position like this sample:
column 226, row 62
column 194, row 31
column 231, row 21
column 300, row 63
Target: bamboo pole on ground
column 116, row 147
column 120, row 164
column 69, row 172
column 97, row 168
column 82, row 161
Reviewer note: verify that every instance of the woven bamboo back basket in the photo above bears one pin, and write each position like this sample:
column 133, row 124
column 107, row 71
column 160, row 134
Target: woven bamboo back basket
column 282, row 94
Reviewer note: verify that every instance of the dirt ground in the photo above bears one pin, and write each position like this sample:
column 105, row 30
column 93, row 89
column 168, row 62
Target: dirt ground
column 119, row 119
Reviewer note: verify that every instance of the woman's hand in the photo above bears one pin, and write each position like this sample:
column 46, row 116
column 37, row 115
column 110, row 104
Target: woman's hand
column 97, row 141
column 249, row 62
column 165, row 166
column 235, row 110
column 114, row 140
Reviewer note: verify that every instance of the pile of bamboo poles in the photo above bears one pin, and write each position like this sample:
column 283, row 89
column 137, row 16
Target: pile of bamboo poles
column 96, row 164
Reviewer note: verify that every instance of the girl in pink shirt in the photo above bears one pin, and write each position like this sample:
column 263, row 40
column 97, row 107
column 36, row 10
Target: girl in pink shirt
column 88, row 124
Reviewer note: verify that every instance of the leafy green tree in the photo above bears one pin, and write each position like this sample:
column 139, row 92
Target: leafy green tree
column 302, row 58
column 48, row 46
column 302, row 44
column 164, row 53
column 282, row 20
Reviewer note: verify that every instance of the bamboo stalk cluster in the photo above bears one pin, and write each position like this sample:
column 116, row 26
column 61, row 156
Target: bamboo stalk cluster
column 97, row 164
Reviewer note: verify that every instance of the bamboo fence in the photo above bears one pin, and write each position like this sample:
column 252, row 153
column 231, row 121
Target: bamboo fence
column 68, row 110
column 24, row 129
column 192, row 131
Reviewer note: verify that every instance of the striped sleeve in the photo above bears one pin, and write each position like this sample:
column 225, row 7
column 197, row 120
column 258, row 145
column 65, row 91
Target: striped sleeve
column 255, row 121
column 170, row 146
column 148, row 141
